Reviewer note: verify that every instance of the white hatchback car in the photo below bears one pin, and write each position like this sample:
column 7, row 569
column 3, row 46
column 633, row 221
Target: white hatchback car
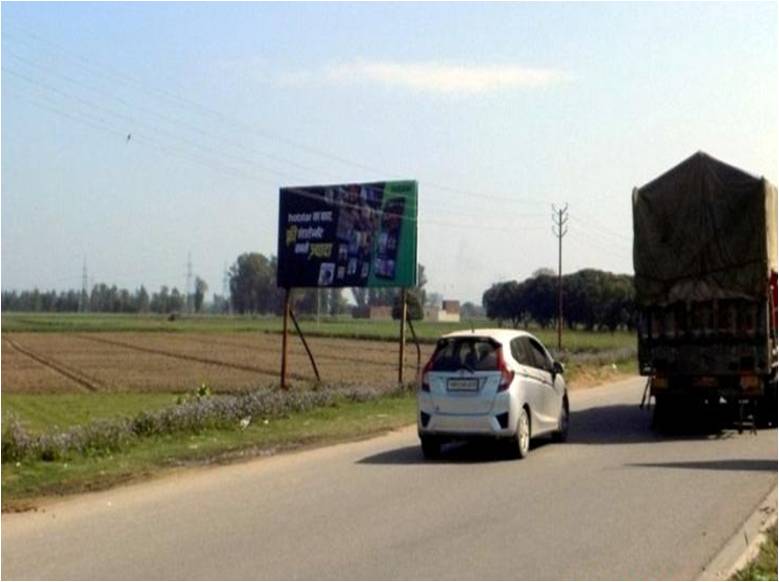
column 491, row 382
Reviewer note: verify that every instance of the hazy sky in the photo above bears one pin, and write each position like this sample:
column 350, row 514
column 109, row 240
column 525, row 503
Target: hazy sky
column 497, row 110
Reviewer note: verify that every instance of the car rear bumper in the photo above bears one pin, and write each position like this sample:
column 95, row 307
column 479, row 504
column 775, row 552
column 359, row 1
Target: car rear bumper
column 500, row 421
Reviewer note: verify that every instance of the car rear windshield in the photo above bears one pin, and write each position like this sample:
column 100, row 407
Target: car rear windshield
column 475, row 354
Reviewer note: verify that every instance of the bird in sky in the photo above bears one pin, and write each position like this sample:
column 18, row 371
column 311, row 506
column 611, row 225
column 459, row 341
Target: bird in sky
column 129, row 137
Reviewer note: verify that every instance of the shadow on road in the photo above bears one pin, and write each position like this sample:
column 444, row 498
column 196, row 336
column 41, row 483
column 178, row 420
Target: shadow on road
column 604, row 425
column 723, row 465
column 627, row 423
column 456, row 452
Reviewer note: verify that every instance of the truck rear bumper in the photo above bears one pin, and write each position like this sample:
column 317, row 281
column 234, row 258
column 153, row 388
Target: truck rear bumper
column 730, row 386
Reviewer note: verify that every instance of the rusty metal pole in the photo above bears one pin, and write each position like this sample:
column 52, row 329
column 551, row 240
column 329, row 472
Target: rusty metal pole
column 402, row 350
column 285, row 333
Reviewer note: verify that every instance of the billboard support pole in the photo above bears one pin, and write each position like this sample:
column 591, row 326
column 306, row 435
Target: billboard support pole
column 285, row 333
column 401, row 352
column 305, row 345
column 416, row 343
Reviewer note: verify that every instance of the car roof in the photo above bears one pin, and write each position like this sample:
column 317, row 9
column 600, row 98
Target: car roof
column 501, row 335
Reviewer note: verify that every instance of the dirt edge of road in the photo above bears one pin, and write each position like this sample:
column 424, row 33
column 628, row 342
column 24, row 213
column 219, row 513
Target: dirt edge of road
column 744, row 544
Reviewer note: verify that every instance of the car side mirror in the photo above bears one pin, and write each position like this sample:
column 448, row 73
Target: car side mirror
column 557, row 368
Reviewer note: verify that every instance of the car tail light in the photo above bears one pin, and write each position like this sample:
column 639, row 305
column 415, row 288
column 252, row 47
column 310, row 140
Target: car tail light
column 424, row 380
column 506, row 375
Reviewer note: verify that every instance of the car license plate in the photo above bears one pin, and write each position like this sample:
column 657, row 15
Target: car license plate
column 462, row 384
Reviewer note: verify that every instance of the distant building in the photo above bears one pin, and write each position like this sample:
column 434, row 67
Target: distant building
column 449, row 311
column 372, row 312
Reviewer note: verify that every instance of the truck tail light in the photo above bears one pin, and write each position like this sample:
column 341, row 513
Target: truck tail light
column 659, row 382
column 749, row 383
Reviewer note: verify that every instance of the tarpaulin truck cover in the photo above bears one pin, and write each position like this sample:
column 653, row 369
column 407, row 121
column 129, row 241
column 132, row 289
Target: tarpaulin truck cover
column 703, row 230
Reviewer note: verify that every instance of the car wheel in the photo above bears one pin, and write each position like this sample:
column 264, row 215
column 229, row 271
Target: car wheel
column 520, row 442
column 431, row 447
column 561, row 434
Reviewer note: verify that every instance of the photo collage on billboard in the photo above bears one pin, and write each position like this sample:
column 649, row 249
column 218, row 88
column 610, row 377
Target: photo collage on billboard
column 358, row 218
column 352, row 235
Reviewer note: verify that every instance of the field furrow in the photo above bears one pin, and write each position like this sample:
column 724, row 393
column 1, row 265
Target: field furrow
column 23, row 374
column 150, row 362
column 58, row 367
column 121, row 369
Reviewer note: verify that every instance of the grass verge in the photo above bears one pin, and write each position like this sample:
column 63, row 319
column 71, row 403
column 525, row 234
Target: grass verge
column 25, row 481
column 42, row 412
column 764, row 566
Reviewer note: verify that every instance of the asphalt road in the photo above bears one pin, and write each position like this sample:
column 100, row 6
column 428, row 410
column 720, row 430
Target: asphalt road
column 615, row 502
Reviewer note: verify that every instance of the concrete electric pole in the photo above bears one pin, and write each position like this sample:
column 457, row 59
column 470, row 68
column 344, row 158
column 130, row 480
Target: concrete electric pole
column 559, row 220
column 189, row 282
column 83, row 300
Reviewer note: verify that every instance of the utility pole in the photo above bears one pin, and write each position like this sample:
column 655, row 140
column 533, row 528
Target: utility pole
column 83, row 300
column 226, row 287
column 189, row 282
column 559, row 219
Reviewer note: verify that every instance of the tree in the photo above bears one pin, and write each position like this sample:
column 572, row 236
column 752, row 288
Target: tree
column 336, row 304
column 143, row 300
column 505, row 301
column 470, row 310
column 544, row 271
column 419, row 290
column 591, row 298
column 253, row 285
column 177, row 301
column 306, row 300
column 201, row 288
column 540, row 299
column 159, row 300
column 433, row 299
column 414, row 310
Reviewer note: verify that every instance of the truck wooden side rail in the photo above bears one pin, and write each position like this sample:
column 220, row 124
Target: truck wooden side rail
column 706, row 288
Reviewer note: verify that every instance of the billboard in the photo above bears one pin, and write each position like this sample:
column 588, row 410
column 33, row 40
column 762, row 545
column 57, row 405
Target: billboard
column 349, row 235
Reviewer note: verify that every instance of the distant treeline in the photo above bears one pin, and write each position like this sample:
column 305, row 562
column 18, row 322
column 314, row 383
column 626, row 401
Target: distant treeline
column 105, row 299
column 592, row 299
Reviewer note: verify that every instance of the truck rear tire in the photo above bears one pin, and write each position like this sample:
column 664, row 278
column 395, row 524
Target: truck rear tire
column 661, row 413
column 767, row 407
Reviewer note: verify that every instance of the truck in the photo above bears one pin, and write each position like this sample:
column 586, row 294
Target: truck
column 705, row 262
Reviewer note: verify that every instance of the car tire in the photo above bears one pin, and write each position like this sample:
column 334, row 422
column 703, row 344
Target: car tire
column 561, row 434
column 431, row 447
column 519, row 444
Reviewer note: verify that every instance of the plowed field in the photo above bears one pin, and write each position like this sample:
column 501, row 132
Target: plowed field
column 145, row 362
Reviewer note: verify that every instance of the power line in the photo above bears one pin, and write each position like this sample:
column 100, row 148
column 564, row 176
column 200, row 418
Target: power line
column 262, row 132
column 165, row 118
column 592, row 222
column 235, row 172
column 94, row 106
column 152, row 129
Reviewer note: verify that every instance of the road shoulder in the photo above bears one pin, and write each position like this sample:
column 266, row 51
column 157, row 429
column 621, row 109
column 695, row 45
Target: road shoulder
column 744, row 543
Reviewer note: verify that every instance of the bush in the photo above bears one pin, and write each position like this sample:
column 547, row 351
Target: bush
column 193, row 415
column 16, row 441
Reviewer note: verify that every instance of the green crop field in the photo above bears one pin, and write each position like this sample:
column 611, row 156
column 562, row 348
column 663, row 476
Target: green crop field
column 346, row 327
column 43, row 412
